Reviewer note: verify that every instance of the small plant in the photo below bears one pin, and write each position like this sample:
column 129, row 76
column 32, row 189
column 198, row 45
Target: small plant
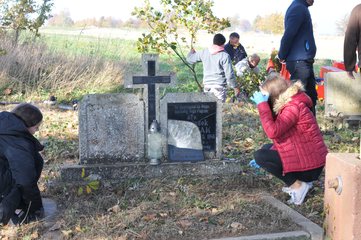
column 90, row 184
column 248, row 83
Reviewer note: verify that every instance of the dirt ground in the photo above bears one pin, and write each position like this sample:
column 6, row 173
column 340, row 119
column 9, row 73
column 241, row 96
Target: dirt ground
column 182, row 208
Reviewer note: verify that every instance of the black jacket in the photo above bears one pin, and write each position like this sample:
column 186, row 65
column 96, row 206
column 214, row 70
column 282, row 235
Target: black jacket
column 236, row 54
column 20, row 162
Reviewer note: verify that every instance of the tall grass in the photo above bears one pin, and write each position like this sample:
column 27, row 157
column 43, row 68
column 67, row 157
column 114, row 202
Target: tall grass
column 34, row 70
column 69, row 67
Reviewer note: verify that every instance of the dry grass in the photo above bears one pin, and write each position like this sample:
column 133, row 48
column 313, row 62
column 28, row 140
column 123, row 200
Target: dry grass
column 171, row 208
column 32, row 71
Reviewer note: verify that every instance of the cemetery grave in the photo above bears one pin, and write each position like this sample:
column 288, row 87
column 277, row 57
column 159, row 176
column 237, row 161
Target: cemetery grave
column 189, row 207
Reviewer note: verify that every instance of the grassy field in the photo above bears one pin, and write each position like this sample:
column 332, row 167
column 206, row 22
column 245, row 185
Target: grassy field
column 69, row 67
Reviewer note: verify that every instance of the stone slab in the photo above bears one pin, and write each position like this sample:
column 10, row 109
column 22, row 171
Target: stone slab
column 121, row 172
column 195, row 98
column 50, row 209
column 343, row 207
column 342, row 95
column 315, row 231
column 295, row 235
column 111, row 128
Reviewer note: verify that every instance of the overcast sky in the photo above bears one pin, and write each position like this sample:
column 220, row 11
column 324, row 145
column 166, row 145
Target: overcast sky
column 324, row 12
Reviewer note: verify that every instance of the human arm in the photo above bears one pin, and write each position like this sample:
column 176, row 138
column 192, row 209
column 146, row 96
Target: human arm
column 229, row 73
column 277, row 127
column 25, row 174
column 352, row 36
column 293, row 22
column 193, row 57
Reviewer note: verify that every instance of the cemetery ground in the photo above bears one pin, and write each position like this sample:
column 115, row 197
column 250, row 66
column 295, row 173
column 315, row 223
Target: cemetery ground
column 181, row 208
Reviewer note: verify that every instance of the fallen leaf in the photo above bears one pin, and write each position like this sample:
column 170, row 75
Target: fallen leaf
column 78, row 229
column 163, row 214
column 149, row 217
column 185, row 223
column 203, row 219
column 114, row 209
column 34, row 235
column 237, row 225
column 214, row 210
column 55, row 227
column 67, row 233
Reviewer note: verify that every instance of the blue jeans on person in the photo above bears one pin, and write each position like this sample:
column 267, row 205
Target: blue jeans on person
column 303, row 70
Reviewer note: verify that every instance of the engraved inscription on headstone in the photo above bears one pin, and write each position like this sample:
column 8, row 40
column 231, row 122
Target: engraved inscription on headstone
column 203, row 114
column 202, row 109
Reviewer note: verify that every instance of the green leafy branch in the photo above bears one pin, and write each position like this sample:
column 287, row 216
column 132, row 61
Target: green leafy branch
column 177, row 16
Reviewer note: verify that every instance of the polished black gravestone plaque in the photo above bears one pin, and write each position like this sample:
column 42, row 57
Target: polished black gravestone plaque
column 202, row 114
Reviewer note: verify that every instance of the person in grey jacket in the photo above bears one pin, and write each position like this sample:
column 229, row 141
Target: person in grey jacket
column 20, row 165
column 248, row 64
column 217, row 68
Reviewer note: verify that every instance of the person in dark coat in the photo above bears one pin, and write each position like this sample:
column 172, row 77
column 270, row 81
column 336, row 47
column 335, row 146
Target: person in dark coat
column 20, row 165
column 235, row 49
column 298, row 48
column 352, row 42
column 298, row 153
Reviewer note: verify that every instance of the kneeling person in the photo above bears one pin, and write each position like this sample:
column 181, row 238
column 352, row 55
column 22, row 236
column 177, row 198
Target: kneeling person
column 20, row 165
column 298, row 153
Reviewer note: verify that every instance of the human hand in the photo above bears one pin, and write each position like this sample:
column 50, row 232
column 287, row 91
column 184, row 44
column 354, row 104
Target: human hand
column 236, row 91
column 283, row 61
column 258, row 97
column 192, row 50
column 253, row 164
column 350, row 74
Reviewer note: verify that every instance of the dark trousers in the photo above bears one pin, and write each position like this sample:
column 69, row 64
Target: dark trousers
column 270, row 160
column 303, row 70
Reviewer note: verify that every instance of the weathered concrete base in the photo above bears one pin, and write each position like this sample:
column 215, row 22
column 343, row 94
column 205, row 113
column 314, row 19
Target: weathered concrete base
column 295, row 235
column 315, row 231
column 342, row 204
column 50, row 209
column 310, row 230
column 119, row 172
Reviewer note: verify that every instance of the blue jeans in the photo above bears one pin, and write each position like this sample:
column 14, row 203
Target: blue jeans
column 303, row 70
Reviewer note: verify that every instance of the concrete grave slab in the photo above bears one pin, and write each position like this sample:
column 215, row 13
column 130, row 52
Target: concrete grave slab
column 111, row 129
column 342, row 95
column 343, row 196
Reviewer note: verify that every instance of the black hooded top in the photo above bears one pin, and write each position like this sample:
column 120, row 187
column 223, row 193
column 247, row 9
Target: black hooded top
column 20, row 161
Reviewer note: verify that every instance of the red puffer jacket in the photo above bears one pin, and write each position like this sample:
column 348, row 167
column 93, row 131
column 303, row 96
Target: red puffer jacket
column 294, row 131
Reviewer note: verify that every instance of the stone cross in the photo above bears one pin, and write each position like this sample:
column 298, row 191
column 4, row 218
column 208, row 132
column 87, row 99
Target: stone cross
column 151, row 80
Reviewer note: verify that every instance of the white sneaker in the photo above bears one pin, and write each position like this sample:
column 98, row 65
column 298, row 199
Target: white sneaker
column 298, row 195
column 288, row 189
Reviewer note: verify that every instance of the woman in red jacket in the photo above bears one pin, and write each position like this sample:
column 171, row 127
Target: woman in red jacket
column 298, row 153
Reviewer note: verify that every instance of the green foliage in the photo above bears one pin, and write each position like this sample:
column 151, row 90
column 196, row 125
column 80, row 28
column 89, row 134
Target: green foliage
column 272, row 23
column 249, row 83
column 164, row 37
column 21, row 15
column 90, row 184
column 276, row 61
column 43, row 15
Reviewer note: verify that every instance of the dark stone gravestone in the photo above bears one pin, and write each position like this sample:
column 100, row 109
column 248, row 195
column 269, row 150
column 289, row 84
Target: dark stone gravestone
column 204, row 111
